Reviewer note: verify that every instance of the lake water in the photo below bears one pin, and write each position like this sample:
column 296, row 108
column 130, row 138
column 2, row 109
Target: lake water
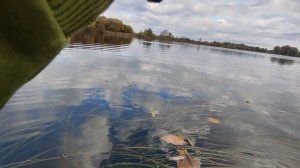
column 109, row 105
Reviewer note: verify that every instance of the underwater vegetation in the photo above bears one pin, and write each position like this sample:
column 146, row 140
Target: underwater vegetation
column 134, row 105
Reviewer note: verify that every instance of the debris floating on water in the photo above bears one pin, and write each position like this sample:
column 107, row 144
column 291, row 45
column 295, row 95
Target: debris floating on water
column 176, row 158
column 64, row 155
column 213, row 121
column 188, row 162
column 191, row 141
column 174, row 139
column 154, row 112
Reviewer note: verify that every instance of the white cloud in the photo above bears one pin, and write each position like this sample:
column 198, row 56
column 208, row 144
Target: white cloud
column 264, row 23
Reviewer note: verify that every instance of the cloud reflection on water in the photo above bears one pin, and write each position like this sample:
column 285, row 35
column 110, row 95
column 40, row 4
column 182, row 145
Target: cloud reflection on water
column 90, row 102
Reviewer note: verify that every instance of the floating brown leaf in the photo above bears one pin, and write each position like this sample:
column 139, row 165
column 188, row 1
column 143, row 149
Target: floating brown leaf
column 173, row 139
column 188, row 162
column 213, row 121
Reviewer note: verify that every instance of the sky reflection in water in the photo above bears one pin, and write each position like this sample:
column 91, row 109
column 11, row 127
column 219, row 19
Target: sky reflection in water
column 91, row 108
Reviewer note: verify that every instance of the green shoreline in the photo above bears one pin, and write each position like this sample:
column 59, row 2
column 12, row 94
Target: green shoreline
column 286, row 50
column 114, row 27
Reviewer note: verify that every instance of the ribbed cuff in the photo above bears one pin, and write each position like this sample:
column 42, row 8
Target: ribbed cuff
column 73, row 15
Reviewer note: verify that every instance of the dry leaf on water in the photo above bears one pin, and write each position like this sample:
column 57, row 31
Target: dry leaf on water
column 213, row 121
column 188, row 162
column 174, row 139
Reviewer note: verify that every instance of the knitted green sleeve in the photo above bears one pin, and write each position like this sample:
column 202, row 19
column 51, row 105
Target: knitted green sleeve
column 32, row 32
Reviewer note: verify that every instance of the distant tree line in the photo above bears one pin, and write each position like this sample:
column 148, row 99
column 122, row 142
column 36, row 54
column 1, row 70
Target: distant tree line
column 115, row 25
column 286, row 50
column 147, row 34
column 111, row 25
column 165, row 35
column 104, row 24
column 103, row 27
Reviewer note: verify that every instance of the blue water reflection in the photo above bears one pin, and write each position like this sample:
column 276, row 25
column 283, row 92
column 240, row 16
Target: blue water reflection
column 92, row 106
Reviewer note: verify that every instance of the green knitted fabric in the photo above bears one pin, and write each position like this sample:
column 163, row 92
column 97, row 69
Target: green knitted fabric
column 72, row 15
column 32, row 32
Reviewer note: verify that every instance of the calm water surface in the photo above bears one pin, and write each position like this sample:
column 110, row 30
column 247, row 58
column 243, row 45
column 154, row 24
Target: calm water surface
column 92, row 107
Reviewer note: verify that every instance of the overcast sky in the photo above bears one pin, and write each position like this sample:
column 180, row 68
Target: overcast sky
column 264, row 23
